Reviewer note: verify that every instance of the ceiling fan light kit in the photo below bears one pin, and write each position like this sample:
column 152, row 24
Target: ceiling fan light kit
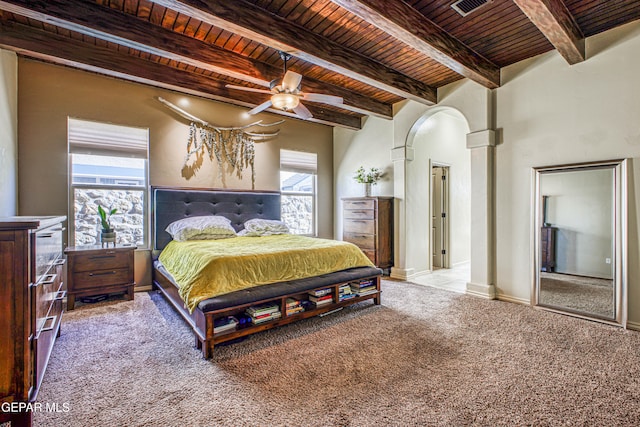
column 285, row 101
column 286, row 95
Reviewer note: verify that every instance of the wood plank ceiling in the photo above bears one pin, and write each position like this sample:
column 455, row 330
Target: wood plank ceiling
column 372, row 53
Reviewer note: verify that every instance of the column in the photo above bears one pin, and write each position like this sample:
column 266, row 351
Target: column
column 482, row 146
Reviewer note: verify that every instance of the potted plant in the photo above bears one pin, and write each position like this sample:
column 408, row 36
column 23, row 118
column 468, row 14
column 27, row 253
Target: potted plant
column 368, row 178
column 108, row 234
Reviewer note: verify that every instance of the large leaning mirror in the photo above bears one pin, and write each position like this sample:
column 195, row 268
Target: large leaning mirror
column 579, row 232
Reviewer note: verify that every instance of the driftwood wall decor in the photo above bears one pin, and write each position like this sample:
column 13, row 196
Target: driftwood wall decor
column 230, row 146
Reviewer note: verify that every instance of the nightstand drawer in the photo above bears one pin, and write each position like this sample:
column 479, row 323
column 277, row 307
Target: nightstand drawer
column 359, row 214
column 363, row 241
column 99, row 278
column 359, row 204
column 364, row 226
column 101, row 260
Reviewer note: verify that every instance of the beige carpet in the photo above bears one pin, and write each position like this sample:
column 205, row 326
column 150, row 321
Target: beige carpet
column 426, row 357
column 582, row 294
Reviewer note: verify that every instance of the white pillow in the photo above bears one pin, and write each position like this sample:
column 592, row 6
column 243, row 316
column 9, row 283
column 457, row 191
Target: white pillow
column 201, row 228
column 264, row 227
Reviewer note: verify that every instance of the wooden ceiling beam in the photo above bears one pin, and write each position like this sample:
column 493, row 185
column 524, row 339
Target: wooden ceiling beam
column 126, row 30
column 406, row 24
column 247, row 20
column 54, row 48
column 554, row 20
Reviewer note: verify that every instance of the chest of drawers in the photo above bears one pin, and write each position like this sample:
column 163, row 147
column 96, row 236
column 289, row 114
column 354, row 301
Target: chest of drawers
column 31, row 294
column 94, row 270
column 368, row 223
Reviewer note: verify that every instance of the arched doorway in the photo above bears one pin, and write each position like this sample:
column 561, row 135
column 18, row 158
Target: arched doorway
column 437, row 194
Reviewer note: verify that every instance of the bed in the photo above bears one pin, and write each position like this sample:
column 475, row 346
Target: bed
column 171, row 204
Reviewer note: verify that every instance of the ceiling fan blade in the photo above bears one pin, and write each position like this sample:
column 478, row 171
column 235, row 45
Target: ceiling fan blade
column 247, row 89
column 291, row 81
column 261, row 107
column 302, row 112
column 325, row 99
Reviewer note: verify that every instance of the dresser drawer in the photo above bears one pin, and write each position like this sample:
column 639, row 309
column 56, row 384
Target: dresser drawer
column 44, row 293
column 102, row 260
column 363, row 241
column 100, row 278
column 364, row 226
column 359, row 214
column 359, row 204
column 48, row 248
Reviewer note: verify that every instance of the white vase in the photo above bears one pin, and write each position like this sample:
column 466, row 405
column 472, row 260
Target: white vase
column 367, row 189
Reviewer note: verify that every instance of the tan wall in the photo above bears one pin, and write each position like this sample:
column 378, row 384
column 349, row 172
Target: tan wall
column 550, row 113
column 48, row 94
column 8, row 133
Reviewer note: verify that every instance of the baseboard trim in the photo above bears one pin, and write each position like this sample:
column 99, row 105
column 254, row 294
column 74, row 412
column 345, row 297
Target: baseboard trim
column 143, row 288
column 481, row 290
column 634, row 326
column 460, row 264
column 509, row 298
column 402, row 273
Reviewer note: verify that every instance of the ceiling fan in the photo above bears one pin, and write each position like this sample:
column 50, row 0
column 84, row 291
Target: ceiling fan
column 286, row 95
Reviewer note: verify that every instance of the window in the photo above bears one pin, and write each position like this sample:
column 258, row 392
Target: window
column 108, row 166
column 298, row 188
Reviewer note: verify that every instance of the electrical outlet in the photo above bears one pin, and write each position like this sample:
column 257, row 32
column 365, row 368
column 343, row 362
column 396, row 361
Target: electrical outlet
column 607, row 260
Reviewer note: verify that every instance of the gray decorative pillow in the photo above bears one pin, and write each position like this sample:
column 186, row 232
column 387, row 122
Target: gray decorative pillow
column 201, row 228
column 264, row 227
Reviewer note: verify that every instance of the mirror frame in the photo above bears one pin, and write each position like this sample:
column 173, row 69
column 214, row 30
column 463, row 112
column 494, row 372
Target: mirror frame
column 619, row 168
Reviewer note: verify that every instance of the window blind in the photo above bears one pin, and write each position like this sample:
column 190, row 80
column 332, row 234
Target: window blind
column 87, row 137
column 298, row 161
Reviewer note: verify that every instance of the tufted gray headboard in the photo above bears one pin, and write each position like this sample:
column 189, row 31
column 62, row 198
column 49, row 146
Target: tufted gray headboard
column 171, row 204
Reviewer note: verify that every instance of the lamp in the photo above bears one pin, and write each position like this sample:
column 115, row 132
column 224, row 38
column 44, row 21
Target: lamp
column 285, row 101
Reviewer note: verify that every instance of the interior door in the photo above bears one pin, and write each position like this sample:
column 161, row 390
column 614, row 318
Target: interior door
column 438, row 215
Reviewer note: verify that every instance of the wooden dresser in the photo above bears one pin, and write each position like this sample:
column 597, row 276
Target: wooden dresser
column 368, row 223
column 548, row 249
column 31, row 294
column 94, row 270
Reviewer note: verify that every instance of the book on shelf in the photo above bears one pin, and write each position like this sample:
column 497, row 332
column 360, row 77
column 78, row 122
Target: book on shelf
column 359, row 291
column 292, row 303
column 225, row 324
column 322, row 298
column 367, row 292
column 294, row 310
column 347, row 296
column 322, row 302
column 270, row 316
column 320, row 292
column 362, row 284
column 267, row 308
column 344, row 289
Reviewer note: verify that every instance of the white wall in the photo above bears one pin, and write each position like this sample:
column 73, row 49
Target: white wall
column 546, row 113
column 551, row 113
column 8, row 133
column 440, row 139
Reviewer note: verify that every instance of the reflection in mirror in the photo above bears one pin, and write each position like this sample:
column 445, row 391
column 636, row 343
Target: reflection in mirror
column 578, row 230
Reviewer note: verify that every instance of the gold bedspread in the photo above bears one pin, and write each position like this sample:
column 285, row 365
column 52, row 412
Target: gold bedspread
column 207, row 268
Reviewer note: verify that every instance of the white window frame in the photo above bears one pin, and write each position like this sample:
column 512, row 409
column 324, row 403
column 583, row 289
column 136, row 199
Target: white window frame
column 307, row 164
column 100, row 145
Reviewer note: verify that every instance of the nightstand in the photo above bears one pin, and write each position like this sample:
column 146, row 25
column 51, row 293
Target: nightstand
column 94, row 270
